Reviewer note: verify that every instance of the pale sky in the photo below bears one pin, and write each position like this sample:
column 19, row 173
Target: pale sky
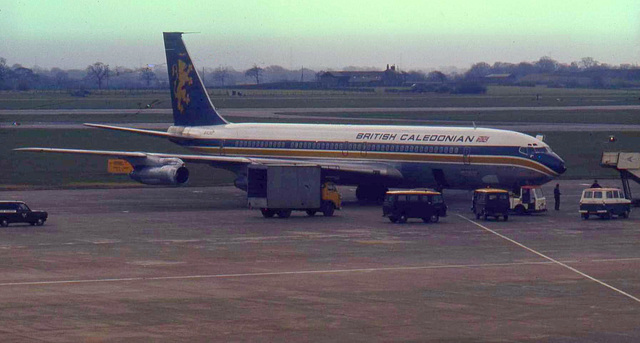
column 319, row 34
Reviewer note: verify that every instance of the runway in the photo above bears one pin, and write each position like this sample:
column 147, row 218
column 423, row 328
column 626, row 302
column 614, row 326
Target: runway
column 193, row 264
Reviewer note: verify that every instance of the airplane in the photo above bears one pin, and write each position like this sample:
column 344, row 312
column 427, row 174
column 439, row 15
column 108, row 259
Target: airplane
column 371, row 157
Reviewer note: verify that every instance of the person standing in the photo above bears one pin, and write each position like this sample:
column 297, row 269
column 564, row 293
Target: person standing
column 556, row 196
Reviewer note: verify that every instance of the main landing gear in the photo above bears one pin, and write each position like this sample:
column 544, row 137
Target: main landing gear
column 371, row 193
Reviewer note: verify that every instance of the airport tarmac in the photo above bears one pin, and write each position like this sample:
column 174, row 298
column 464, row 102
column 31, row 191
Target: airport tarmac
column 194, row 264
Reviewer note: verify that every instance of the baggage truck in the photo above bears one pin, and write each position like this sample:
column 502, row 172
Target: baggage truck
column 280, row 189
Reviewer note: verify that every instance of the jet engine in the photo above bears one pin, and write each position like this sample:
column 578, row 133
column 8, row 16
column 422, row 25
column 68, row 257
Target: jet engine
column 161, row 171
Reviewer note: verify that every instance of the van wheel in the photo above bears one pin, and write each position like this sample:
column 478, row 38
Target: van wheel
column 311, row 213
column 284, row 213
column 39, row 222
column 327, row 209
column 267, row 213
column 393, row 219
column 625, row 214
column 585, row 216
column 4, row 222
column 402, row 219
column 435, row 218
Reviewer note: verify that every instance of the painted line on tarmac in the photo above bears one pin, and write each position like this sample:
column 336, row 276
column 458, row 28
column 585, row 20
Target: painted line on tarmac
column 550, row 259
column 283, row 273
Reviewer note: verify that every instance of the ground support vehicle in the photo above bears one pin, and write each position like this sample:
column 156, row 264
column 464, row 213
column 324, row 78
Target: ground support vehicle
column 490, row 202
column 399, row 206
column 19, row 212
column 280, row 189
column 604, row 202
column 530, row 200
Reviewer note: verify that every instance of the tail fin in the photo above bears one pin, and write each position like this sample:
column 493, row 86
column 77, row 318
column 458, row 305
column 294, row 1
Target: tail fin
column 189, row 98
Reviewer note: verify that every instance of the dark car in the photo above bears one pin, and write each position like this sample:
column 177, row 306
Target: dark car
column 490, row 202
column 401, row 205
column 19, row 212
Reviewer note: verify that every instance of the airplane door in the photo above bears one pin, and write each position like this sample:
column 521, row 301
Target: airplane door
column 466, row 155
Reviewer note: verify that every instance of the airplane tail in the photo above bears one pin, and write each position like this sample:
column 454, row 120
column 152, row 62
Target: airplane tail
column 189, row 99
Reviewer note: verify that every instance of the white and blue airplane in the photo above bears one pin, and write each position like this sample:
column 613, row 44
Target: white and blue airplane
column 371, row 157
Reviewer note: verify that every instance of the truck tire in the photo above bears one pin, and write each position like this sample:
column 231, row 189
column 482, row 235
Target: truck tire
column 267, row 213
column 402, row 219
column 4, row 222
column 39, row 222
column 327, row 209
column 284, row 214
column 311, row 213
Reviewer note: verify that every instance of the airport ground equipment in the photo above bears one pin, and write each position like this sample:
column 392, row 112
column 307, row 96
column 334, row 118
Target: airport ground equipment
column 628, row 165
column 604, row 202
column 530, row 200
column 428, row 205
column 490, row 202
column 280, row 189
column 19, row 212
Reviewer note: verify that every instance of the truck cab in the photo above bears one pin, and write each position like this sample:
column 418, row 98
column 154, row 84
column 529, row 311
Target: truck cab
column 530, row 200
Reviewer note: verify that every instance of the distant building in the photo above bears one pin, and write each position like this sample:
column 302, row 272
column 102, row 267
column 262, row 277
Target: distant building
column 343, row 79
column 500, row 79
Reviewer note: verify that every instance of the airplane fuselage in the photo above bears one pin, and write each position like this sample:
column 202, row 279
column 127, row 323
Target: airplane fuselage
column 407, row 156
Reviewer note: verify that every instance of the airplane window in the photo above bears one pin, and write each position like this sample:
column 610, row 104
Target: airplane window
column 539, row 150
column 455, row 151
column 350, row 146
column 430, row 149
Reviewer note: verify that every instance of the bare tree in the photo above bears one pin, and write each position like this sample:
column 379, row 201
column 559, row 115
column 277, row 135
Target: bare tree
column 99, row 72
column 255, row 72
column 147, row 75
column 221, row 74
column 588, row 63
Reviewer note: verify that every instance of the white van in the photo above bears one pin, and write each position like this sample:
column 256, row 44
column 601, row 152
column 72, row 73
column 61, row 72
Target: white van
column 604, row 202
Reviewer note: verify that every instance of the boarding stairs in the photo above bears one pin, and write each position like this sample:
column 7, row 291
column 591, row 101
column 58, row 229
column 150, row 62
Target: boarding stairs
column 628, row 165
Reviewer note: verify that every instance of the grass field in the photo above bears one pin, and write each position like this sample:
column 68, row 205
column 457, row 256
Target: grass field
column 498, row 96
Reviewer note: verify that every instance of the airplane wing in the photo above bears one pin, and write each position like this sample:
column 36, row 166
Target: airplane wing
column 380, row 169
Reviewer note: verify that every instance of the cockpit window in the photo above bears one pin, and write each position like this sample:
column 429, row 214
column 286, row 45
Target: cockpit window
column 541, row 150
